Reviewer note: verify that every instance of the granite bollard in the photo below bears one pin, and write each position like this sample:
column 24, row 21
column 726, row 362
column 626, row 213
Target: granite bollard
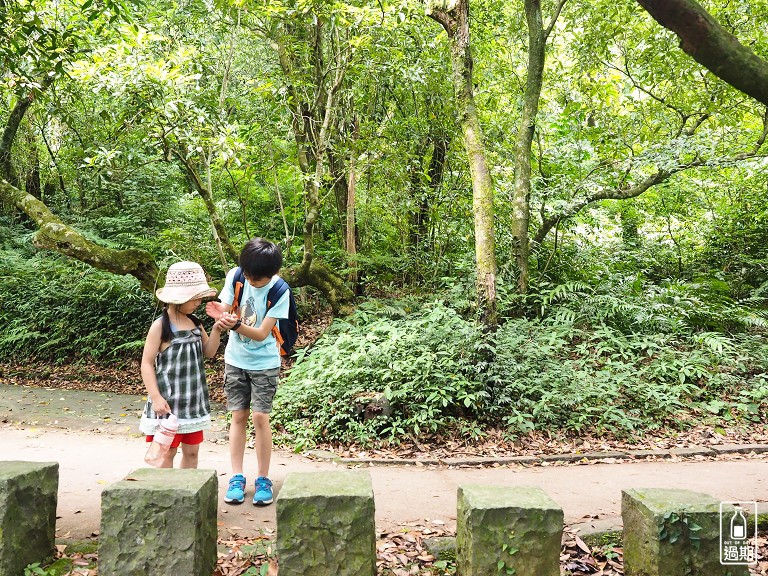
column 159, row 521
column 507, row 530
column 326, row 524
column 672, row 533
column 28, row 498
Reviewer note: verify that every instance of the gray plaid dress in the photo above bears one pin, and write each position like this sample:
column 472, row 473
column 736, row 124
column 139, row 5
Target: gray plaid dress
column 181, row 380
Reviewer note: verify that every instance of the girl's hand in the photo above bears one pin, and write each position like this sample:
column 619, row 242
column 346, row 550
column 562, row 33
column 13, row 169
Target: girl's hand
column 160, row 406
column 227, row 321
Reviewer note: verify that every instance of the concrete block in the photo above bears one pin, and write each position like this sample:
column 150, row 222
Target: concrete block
column 507, row 530
column 28, row 498
column 672, row 533
column 326, row 524
column 159, row 521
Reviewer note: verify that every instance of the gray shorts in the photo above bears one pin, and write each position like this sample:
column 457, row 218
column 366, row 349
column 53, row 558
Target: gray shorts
column 252, row 389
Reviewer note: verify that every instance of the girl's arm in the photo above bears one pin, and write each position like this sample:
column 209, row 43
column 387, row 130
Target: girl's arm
column 151, row 349
column 259, row 333
column 211, row 343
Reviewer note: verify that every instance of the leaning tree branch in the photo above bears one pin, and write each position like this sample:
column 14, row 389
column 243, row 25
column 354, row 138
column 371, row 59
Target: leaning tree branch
column 711, row 45
column 658, row 177
column 53, row 234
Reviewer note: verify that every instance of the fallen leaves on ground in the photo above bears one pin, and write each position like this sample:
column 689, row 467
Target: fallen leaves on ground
column 404, row 552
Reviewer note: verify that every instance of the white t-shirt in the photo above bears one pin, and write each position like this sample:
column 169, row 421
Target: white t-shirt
column 241, row 351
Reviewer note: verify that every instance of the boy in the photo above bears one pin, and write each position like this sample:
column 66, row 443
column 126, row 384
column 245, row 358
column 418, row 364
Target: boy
column 252, row 362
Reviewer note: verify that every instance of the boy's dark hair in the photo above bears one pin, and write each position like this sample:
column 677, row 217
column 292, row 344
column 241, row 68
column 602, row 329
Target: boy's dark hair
column 260, row 259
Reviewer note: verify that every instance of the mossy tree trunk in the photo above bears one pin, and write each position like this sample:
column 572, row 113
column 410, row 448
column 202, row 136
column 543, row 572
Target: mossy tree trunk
column 453, row 15
column 311, row 123
column 711, row 45
column 53, row 234
column 537, row 42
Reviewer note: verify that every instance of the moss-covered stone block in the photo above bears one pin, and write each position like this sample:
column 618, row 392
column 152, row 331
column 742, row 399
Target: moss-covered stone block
column 326, row 524
column 507, row 530
column 159, row 521
column 28, row 497
column 672, row 533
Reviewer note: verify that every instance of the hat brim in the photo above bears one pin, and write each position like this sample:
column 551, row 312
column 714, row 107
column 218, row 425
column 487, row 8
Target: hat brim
column 182, row 294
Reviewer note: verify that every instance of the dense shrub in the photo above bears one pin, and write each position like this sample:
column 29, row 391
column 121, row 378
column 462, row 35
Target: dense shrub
column 56, row 308
column 618, row 361
column 423, row 357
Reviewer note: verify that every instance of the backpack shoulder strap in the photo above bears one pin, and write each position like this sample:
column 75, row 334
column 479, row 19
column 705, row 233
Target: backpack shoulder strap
column 238, row 281
column 276, row 292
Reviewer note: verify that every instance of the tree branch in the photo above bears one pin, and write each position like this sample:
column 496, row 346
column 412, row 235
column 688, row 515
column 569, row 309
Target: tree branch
column 711, row 45
column 55, row 235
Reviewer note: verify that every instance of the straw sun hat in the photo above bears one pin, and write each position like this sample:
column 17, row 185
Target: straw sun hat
column 184, row 281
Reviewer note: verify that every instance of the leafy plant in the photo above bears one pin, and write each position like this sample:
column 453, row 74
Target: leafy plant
column 676, row 527
column 421, row 356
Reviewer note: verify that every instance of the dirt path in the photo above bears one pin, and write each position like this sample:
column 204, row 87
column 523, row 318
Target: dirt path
column 71, row 428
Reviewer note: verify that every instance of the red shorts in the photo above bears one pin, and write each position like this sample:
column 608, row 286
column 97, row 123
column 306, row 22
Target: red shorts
column 191, row 438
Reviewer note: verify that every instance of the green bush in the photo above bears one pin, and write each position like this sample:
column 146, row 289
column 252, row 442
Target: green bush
column 59, row 309
column 620, row 363
column 423, row 357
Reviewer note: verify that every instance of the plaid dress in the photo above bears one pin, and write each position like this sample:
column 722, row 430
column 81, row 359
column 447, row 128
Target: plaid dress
column 181, row 380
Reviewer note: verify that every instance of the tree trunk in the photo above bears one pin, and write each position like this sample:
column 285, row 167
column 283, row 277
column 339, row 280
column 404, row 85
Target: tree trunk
column 216, row 237
column 312, row 147
column 453, row 15
column 525, row 132
column 205, row 194
column 55, row 235
column 711, row 45
column 351, row 227
column 11, row 129
column 32, row 182
column 521, row 215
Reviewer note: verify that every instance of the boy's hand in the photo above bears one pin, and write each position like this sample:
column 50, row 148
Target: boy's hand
column 216, row 309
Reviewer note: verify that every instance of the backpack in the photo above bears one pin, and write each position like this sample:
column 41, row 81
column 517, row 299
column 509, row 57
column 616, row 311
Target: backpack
column 285, row 331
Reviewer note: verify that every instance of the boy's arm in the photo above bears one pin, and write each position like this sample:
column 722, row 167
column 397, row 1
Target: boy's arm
column 148, row 376
column 217, row 309
column 255, row 333
column 279, row 310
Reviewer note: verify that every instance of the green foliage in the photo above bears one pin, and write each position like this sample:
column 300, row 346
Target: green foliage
column 676, row 527
column 618, row 363
column 424, row 358
column 51, row 307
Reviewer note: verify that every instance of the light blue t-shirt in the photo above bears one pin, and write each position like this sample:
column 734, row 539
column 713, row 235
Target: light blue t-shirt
column 241, row 351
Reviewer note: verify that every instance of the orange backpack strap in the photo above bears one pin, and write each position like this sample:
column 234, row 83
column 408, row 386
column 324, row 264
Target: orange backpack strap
column 234, row 308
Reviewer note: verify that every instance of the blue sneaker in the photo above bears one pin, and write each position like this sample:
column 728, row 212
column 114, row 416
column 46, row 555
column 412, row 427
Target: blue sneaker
column 236, row 492
column 263, row 494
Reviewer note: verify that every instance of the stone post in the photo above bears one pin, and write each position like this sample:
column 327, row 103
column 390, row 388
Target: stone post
column 672, row 533
column 159, row 521
column 507, row 530
column 28, row 497
column 326, row 525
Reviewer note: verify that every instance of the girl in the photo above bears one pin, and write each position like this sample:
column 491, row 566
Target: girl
column 172, row 365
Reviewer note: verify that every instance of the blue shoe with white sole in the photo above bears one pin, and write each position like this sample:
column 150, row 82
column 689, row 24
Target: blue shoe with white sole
column 263, row 494
column 236, row 491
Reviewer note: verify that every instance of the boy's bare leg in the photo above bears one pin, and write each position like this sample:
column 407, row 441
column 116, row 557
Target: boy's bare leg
column 237, row 440
column 189, row 455
column 263, row 443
